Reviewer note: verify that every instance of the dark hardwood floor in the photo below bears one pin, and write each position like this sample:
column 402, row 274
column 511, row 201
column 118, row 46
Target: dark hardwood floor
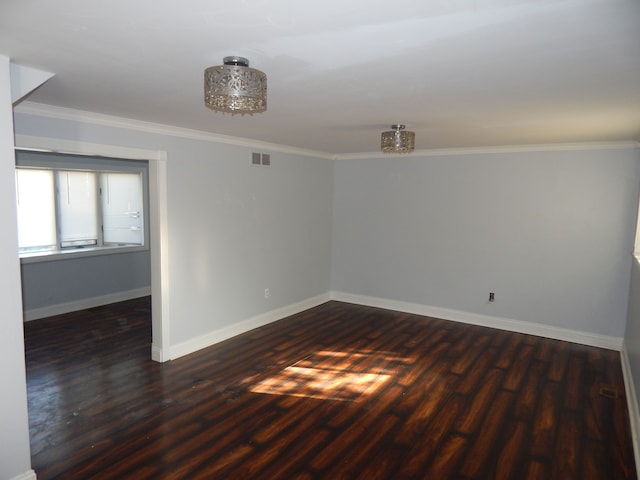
column 337, row 392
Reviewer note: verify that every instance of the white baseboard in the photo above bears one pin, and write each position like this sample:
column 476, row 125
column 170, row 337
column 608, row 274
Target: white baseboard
column 584, row 338
column 29, row 475
column 632, row 403
column 225, row 333
column 156, row 354
column 84, row 303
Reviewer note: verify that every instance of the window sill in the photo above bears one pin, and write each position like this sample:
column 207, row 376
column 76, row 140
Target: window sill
column 69, row 254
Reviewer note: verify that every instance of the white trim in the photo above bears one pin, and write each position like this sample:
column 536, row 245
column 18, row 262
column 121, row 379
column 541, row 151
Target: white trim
column 216, row 336
column 545, row 147
column 58, row 145
column 530, row 328
column 61, row 113
column 28, row 475
column 632, row 403
column 157, row 354
column 60, row 308
column 159, row 230
column 61, row 255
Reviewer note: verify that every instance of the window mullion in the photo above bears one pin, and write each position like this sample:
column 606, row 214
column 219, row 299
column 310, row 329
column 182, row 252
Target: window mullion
column 99, row 209
column 58, row 220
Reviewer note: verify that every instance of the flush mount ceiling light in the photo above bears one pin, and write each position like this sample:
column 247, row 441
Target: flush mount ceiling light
column 235, row 88
column 398, row 140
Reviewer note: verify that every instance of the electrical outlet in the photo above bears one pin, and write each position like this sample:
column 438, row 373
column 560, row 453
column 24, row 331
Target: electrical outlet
column 492, row 297
column 267, row 293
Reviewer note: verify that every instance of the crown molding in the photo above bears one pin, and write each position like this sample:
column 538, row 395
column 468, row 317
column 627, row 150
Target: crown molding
column 544, row 147
column 61, row 113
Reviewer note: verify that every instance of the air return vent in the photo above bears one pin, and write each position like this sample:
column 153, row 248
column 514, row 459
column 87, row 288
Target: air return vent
column 261, row 159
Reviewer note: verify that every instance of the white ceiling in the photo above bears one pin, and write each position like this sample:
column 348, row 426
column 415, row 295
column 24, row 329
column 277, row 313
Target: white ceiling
column 460, row 73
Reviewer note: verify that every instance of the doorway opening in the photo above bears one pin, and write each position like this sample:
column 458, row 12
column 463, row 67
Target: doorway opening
column 157, row 213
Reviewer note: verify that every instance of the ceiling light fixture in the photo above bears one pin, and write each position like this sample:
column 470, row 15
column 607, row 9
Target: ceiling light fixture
column 235, row 88
column 398, row 140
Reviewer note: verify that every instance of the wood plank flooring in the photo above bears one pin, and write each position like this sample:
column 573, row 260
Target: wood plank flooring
column 337, row 392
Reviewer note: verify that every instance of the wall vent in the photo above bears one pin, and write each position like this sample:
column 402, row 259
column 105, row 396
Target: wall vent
column 263, row 159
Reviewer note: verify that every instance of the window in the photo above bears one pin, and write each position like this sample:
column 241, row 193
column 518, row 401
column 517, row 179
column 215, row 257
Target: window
column 77, row 209
column 122, row 210
column 79, row 205
column 36, row 211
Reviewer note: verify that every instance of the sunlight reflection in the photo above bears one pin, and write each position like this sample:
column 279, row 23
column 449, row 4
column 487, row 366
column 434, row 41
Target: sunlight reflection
column 334, row 375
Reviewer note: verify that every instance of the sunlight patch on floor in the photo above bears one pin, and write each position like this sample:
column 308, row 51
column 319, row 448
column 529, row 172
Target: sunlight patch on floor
column 333, row 375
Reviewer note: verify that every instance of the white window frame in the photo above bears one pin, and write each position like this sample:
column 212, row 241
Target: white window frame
column 99, row 165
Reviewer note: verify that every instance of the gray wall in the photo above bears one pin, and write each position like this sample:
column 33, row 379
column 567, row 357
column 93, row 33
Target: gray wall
column 237, row 229
column 233, row 229
column 549, row 232
column 72, row 279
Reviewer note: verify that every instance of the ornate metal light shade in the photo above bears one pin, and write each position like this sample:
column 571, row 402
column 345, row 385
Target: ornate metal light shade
column 235, row 88
column 398, row 140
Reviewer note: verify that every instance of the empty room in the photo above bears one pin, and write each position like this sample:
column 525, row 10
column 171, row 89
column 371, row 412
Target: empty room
column 342, row 239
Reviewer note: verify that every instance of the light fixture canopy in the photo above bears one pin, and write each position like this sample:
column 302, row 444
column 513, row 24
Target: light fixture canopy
column 398, row 140
column 235, row 88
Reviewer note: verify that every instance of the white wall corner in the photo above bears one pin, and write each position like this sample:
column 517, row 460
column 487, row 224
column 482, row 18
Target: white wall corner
column 518, row 326
column 632, row 403
column 24, row 80
column 29, row 475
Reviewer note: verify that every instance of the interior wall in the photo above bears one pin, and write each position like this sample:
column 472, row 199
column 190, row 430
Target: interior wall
column 234, row 229
column 237, row 230
column 632, row 333
column 550, row 233
column 49, row 283
column 15, row 455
